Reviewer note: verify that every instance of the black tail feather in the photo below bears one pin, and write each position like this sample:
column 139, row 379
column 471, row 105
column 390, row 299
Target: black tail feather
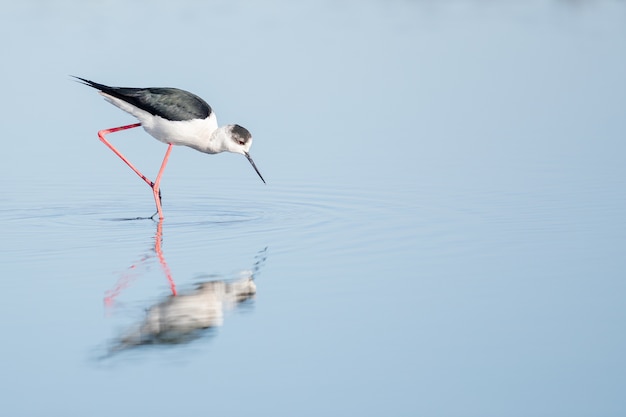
column 97, row 86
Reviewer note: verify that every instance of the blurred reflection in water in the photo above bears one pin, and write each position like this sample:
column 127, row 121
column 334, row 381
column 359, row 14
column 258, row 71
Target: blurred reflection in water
column 183, row 316
column 133, row 271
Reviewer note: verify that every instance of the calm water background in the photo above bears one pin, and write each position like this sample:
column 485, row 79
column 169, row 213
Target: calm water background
column 442, row 232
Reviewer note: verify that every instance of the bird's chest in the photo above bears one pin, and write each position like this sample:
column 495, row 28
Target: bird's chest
column 186, row 132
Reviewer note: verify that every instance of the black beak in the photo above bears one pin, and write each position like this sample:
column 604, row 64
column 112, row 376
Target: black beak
column 254, row 166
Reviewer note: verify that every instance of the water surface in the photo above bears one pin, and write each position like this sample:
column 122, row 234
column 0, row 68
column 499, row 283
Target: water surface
column 441, row 232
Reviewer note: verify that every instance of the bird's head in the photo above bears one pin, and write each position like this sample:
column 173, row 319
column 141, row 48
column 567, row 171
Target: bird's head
column 239, row 140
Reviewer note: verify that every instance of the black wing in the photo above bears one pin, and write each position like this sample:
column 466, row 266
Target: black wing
column 169, row 103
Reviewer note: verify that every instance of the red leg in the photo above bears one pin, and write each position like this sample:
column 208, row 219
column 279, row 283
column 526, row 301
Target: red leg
column 118, row 153
column 157, row 183
column 154, row 185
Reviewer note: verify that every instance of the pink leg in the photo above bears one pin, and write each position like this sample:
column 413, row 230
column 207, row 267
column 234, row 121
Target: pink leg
column 153, row 185
column 157, row 183
column 118, row 153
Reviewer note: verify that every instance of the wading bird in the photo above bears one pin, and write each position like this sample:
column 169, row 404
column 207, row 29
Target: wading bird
column 174, row 117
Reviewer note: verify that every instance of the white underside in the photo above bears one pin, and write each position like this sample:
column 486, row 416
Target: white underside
column 194, row 133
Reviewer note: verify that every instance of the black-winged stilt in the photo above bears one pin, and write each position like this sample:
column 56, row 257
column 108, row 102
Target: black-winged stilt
column 174, row 117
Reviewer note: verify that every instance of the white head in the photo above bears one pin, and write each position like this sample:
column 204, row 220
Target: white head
column 236, row 139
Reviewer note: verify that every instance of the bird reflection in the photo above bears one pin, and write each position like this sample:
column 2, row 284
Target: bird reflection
column 183, row 316
column 132, row 271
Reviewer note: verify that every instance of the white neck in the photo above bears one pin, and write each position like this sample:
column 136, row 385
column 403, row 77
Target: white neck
column 218, row 142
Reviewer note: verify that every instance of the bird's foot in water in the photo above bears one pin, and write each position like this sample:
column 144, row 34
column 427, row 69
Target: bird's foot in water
column 158, row 202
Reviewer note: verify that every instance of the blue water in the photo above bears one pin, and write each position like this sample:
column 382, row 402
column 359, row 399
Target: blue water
column 441, row 233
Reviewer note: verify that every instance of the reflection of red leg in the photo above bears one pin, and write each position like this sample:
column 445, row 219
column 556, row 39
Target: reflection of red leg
column 158, row 239
column 124, row 281
column 133, row 272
